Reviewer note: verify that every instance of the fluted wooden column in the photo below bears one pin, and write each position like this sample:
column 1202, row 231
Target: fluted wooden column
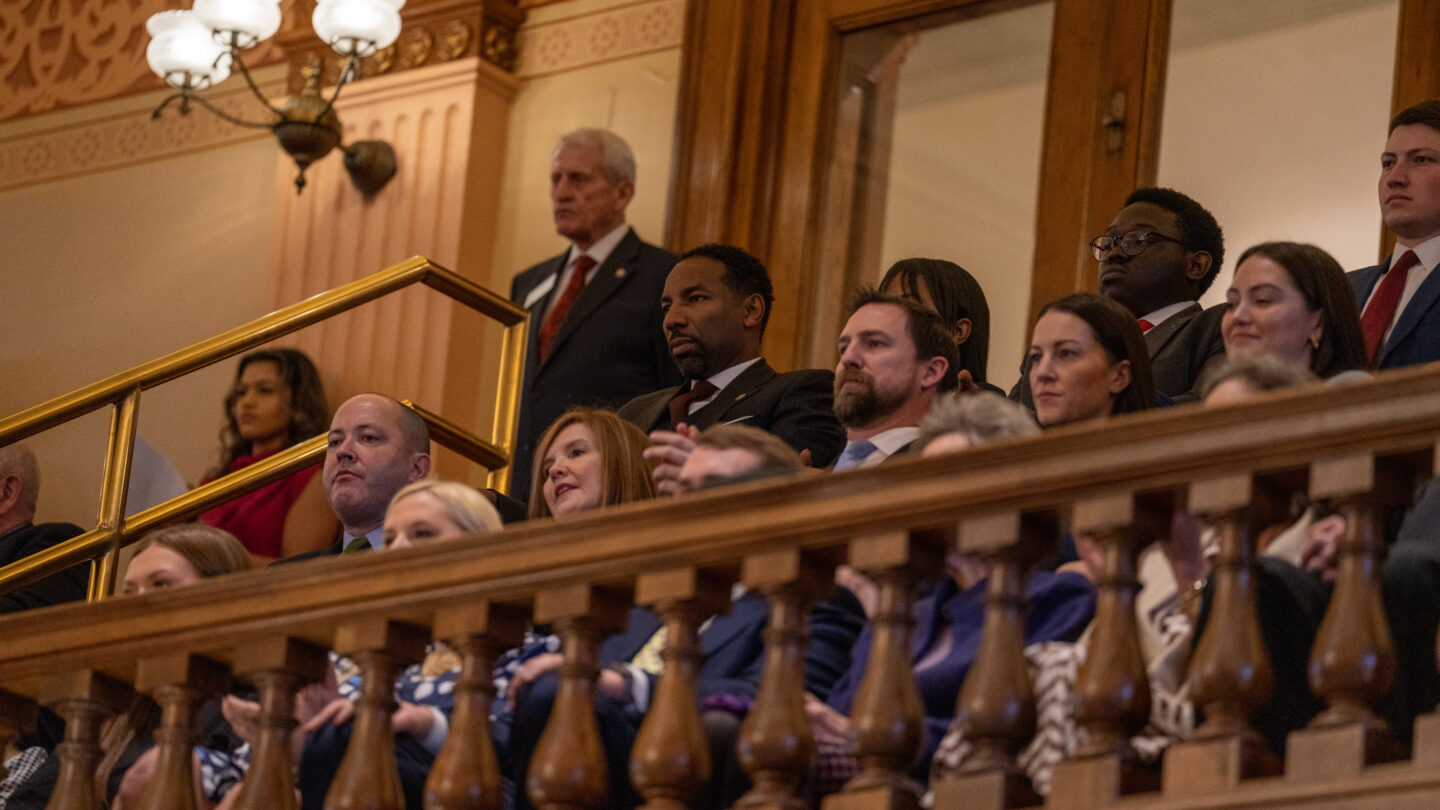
column 888, row 718
column 178, row 683
column 775, row 744
column 368, row 778
column 670, row 762
column 277, row 667
column 1112, row 688
column 1230, row 675
column 466, row 773
column 82, row 699
column 567, row 770
column 997, row 703
column 1353, row 661
column 17, row 716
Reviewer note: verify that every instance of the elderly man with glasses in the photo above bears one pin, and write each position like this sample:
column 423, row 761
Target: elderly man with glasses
column 1159, row 255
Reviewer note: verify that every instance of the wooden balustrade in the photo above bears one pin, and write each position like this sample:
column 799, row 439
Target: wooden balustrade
column 670, row 762
column 369, row 778
column 277, row 667
column 997, row 702
column 178, row 683
column 1119, row 481
column 466, row 772
column 1230, row 674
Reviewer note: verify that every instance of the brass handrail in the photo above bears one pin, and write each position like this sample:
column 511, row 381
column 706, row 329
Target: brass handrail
column 113, row 530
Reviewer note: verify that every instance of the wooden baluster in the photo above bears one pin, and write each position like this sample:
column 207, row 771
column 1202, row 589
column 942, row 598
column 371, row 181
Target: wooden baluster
column 1112, row 687
column 670, row 762
column 277, row 667
column 568, row 768
column 1353, row 661
column 82, row 699
column 887, row 716
column 368, row 777
column 466, row 773
column 775, row 745
column 177, row 683
column 997, row 702
column 17, row 716
column 1426, row 748
column 1230, row 673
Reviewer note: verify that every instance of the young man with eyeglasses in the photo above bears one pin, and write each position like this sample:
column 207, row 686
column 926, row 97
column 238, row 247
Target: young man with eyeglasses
column 1159, row 255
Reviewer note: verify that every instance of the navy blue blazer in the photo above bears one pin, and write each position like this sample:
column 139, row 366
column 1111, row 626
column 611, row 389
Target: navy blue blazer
column 1061, row 606
column 610, row 348
column 733, row 648
column 1416, row 336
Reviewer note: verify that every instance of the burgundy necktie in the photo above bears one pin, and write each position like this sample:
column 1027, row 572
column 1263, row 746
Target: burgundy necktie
column 680, row 405
column 1145, row 326
column 1383, row 304
column 562, row 307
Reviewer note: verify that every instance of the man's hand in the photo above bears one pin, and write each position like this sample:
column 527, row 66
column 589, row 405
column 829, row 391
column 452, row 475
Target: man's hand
column 670, row 449
column 825, row 722
column 412, row 719
column 529, row 672
column 243, row 716
column 1322, row 546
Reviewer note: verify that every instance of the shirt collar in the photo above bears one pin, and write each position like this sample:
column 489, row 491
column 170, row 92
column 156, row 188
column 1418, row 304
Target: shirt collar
column 1428, row 252
column 724, row 378
column 1164, row 313
column 603, row 247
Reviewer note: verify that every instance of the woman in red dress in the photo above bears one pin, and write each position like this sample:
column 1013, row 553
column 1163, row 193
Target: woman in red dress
column 277, row 401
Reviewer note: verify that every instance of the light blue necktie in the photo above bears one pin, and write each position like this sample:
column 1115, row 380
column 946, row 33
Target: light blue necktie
column 854, row 455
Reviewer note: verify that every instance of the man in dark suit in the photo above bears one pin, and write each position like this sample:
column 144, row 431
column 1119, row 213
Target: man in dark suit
column 595, row 336
column 895, row 356
column 717, row 301
column 1400, row 309
column 1159, row 255
column 20, row 537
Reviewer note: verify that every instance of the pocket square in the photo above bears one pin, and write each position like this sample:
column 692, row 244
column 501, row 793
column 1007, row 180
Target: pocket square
column 738, row 419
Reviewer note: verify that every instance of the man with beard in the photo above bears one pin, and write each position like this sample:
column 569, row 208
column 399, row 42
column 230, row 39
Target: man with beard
column 716, row 303
column 894, row 358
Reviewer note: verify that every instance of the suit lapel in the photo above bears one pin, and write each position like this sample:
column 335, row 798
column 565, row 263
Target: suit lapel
column 1158, row 336
column 1420, row 303
column 607, row 279
column 749, row 381
column 742, row 616
column 657, row 410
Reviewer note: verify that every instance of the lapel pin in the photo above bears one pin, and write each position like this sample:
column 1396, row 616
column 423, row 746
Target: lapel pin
column 620, row 272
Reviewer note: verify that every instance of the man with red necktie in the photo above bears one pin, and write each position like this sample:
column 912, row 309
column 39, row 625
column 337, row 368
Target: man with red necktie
column 595, row 335
column 1400, row 299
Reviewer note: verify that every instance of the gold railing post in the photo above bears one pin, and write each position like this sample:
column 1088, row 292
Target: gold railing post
column 115, row 483
column 507, row 400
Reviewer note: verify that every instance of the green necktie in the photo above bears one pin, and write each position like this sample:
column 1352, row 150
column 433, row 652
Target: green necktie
column 356, row 544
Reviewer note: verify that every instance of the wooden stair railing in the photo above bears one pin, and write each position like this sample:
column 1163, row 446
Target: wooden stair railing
column 1119, row 481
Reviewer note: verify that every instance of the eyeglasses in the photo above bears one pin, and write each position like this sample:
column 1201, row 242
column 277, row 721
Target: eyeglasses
column 1133, row 243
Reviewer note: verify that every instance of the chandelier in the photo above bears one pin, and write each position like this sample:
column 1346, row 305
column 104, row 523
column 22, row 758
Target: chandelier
column 194, row 50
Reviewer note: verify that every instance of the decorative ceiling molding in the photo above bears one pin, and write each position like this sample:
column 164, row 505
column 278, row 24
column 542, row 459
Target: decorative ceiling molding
column 79, row 143
column 434, row 32
column 602, row 36
column 56, row 54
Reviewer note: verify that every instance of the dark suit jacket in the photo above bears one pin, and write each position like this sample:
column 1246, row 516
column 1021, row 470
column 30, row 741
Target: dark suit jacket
column 610, row 349
column 733, row 649
column 67, row 586
column 1416, row 336
column 797, row 406
column 1181, row 349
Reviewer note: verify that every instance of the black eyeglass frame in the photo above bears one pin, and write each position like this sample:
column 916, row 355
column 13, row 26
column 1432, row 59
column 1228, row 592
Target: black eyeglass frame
column 1138, row 240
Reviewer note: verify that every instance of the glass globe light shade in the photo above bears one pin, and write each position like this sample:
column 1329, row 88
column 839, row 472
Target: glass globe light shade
column 242, row 23
column 182, row 53
column 357, row 27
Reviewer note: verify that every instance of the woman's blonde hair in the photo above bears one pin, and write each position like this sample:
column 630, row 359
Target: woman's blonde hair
column 464, row 505
column 624, row 472
column 212, row 551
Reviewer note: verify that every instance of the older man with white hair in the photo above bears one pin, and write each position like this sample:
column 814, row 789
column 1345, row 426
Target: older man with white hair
column 20, row 537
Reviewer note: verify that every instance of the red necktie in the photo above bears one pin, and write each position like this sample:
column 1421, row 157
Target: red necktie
column 680, row 406
column 1145, row 326
column 562, row 307
column 1383, row 304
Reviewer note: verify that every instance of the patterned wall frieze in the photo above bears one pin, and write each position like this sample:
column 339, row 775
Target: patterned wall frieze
column 434, row 32
column 57, row 54
column 601, row 36
column 75, row 146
